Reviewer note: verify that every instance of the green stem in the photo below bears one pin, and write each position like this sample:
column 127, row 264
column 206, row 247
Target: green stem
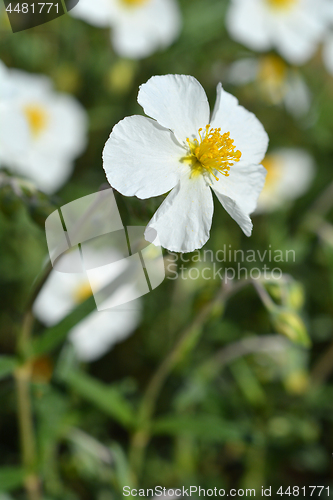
column 26, row 427
column 23, row 381
column 141, row 437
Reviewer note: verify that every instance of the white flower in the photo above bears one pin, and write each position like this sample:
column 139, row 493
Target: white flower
column 98, row 332
column 187, row 150
column 276, row 82
column 139, row 27
column 293, row 27
column 328, row 42
column 14, row 132
column 290, row 172
column 57, row 127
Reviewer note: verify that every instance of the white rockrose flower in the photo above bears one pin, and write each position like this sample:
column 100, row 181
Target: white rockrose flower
column 328, row 42
column 293, row 27
column 98, row 332
column 184, row 148
column 14, row 132
column 57, row 129
column 276, row 82
column 139, row 27
column 290, row 172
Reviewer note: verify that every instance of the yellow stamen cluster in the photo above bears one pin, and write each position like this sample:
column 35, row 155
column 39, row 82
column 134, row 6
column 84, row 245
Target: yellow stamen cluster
column 82, row 293
column 272, row 76
column 282, row 4
column 134, row 3
column 215, row 152
column 37, row 118
column 272, row 69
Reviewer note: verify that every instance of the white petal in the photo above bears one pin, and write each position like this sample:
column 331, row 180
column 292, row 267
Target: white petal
column 297, row 98
column 139, row 32
column 236, row 212
column 50, row 179
column 14, row 133
column 239, row 192
column 247, row 23
column 141, row 158
column 66, row 134
column 296, row 36
column 96, row 12
column 184, row 219
column 100, row 331
column 328, row 53
column 29, row 85
column 177, row 102
column 245, row 129
column 57, row 297
column 243, row 71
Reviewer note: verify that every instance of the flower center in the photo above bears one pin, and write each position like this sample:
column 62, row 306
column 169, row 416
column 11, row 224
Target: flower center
column 282, row 4
column 271, row 77
column 82, row 292
column 272, row 69
column 214, row 152
column 37, row 118
column 134, row 3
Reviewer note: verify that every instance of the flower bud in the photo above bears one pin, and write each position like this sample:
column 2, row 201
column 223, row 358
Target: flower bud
column 297, row 382
column 295, row 297
column 290, row 324
column 120, row 77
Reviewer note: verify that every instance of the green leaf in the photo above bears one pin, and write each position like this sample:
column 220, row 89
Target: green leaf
column 7, row 366
column 206, row 427
column 11, row 478
column 104, row 397
column 54, row 336
column 121, row 465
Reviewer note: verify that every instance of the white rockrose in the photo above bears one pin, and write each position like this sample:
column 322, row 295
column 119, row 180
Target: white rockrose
column 276, row 82
column 185, row 149
column 293, row 27
column 290, row 172
column 328, row 42
column 98, row 332
column 57, row 130
column 14, row 132
column 139, row 27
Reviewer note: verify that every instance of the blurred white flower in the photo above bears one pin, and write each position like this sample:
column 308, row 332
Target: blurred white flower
column 290, row 172
column 293, row 27
column 139, row 27
column 98, row 332
column 328, row 42
column 56, row 128
column 277, row 83
column 14, row 132
column 187, row 150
